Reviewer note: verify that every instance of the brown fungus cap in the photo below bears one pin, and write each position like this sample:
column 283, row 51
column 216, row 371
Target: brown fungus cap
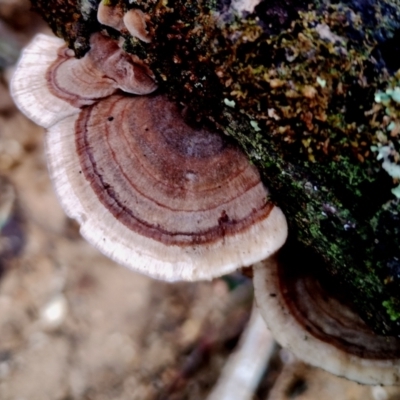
column 308, row 314
column 135, row 22
column 50, row 83
column 110, row 15
column 161, row 197
column 129, row 75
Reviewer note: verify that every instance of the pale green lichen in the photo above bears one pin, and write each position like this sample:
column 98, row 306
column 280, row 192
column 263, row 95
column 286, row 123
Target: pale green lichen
column 396, row 191
column 394, row 94
column 254, row 125
column 229, row 103
column 321, row 82
column 388, row 144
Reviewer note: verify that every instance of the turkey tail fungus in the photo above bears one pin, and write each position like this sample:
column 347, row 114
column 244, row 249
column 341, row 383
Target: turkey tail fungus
column 151, row 192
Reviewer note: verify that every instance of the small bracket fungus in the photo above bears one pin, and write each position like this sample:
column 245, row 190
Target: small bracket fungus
column 150, row 191
column 313, row 321
column 110, row 15
column 50, row 83
column 135, row 22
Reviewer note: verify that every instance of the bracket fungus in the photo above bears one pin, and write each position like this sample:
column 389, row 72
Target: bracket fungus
column 133, row 20
column 110, row 15
column 309, row 314
column 50, row 83
column 151, row 192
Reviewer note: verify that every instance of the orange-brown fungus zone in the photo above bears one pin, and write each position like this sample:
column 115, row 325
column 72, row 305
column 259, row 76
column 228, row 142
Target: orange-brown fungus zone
column 164, row 179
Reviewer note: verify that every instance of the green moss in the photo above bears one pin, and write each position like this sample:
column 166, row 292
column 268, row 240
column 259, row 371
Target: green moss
column 392, row 309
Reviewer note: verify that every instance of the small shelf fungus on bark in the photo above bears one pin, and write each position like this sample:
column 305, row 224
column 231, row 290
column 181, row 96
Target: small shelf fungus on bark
column 150, row 191
column 309, row 314
column 47, row 95
column 134, row 20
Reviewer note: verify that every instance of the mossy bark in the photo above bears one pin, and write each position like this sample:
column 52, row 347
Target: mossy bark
column 295, row 83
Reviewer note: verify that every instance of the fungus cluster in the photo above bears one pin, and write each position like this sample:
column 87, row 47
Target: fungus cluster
column 150, row 191
column 51, row 84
